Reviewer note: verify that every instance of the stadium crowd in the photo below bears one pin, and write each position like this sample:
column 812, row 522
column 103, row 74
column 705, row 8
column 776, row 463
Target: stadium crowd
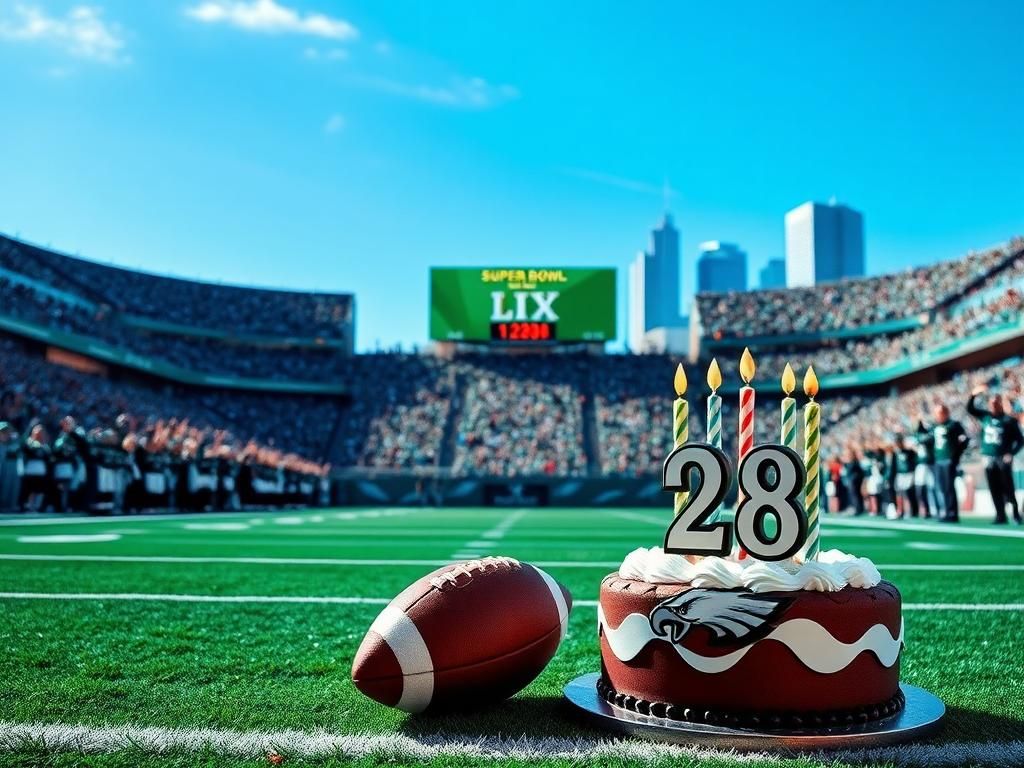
column 879, row 351
column 522, row 416
column 848, row 303
column 104, row 438
column 887, row 457
column 234, row 309
column 193, row 353
column 75, row 441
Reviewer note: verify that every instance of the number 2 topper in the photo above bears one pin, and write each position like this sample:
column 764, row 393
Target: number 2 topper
column 771, row 479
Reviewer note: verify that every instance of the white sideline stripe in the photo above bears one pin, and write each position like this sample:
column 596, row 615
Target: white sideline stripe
column 348, row 600
column 371, row 562
column 55, row 738
column 844, row 522
column 294, row 560
column 909, row 527
column 18, row 521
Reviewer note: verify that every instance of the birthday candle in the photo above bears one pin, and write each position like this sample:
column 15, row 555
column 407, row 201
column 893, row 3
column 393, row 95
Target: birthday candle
column 681, row 425
column 788, row 408
column 714, row 415
column 812, row 436
column 747, row 370
column 714, row 405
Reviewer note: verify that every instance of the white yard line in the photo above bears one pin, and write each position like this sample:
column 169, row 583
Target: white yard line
column 351, row 600
column 371, row 562
column 1003, row 532
column 53, row 738
column 377, row 562
column 338, row 514
column 488, row 539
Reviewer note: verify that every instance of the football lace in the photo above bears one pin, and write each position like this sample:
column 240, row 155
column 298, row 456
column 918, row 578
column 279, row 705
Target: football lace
column 469, row 568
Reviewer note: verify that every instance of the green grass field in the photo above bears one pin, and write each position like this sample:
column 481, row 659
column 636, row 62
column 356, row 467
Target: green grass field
column 147, row 634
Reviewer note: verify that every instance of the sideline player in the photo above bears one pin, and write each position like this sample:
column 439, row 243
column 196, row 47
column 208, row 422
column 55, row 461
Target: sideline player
column 948, row 441
column 1001, row 438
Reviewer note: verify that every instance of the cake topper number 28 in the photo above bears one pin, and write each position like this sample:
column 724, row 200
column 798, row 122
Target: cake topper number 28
column 771, row 478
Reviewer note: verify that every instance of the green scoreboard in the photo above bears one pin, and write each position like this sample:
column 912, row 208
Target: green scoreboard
column 522, row 306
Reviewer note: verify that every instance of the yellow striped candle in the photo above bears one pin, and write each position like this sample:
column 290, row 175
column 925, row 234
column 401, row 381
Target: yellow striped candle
column 812, row 437
column 681, row 425
column 789, row 408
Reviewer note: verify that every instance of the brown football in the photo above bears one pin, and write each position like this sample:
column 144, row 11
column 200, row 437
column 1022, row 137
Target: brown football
column 467, row 634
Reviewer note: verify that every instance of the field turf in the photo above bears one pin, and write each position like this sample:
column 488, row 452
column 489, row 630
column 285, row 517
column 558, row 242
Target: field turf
column 213, row 640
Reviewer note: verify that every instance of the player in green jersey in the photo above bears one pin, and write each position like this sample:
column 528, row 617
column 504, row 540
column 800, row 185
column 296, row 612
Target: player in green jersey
column 1001, row 439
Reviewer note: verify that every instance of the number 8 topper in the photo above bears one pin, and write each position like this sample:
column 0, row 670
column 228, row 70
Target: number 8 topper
column 762, row 497
column 689, row 534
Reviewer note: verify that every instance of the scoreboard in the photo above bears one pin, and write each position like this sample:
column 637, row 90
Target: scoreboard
column 522, row 306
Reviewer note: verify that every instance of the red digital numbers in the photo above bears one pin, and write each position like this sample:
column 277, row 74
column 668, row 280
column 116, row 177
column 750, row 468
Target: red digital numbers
column 523, row 331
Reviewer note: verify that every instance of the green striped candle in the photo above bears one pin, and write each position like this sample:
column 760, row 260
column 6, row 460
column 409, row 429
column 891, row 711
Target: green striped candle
column 681, row 426
column 789, row 409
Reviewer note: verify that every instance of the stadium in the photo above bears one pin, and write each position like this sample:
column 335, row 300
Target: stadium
column 201, row 422
column 238, row 530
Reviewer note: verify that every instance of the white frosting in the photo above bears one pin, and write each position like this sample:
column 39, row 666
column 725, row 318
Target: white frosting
column 814, row 645
column 832, row 571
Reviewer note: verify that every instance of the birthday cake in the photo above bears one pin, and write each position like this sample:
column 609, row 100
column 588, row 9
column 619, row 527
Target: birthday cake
column 764, row 633
column 713, row 640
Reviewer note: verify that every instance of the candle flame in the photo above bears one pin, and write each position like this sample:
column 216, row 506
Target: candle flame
column 714, row 375
column 680, row 380
column 810, row 382
column 747, row 367
column 788, row 380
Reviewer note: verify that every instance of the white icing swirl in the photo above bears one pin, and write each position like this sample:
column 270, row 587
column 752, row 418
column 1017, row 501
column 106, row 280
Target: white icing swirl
column 832, row 571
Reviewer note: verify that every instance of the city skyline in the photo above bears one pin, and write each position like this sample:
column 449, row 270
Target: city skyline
column 349, row 146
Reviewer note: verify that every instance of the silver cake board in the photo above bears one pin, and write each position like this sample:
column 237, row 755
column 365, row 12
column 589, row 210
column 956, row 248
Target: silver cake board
column 920, row 717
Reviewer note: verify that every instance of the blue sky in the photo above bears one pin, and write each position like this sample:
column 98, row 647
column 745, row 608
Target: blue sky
column 348, row 146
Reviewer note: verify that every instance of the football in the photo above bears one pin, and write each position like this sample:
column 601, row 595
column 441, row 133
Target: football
column 467, row 634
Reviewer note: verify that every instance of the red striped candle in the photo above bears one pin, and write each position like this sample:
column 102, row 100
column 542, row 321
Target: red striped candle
column 747, row 371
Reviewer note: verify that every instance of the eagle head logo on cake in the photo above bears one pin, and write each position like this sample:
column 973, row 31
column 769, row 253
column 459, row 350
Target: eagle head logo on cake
column 731, row 616
column 746, row 622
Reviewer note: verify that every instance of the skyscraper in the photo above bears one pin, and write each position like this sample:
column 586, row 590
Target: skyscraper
column 823, row 243
column 721, row 267
column 773, row 274
column 654, row 284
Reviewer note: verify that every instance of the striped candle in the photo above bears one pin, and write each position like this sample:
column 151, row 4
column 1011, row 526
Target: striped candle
column 747, row 371
column 714, row 416
column 789, row 408
column 812, row 437
column 681, row 426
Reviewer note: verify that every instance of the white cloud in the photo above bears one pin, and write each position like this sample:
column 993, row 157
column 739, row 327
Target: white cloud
column 383, row 47
column 335, row 124
column 461, row 92
column 268, row 16
column 82, row 32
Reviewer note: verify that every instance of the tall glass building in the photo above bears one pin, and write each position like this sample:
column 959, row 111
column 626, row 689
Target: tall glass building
column 773, row 274
column 824, row 243
column 721, row 267
column 654, row 284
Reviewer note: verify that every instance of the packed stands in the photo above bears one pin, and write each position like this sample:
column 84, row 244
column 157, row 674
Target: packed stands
column 849, row 303
column 233, row 309
column 522, row 416
column 886, row 417
column 468, row 414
